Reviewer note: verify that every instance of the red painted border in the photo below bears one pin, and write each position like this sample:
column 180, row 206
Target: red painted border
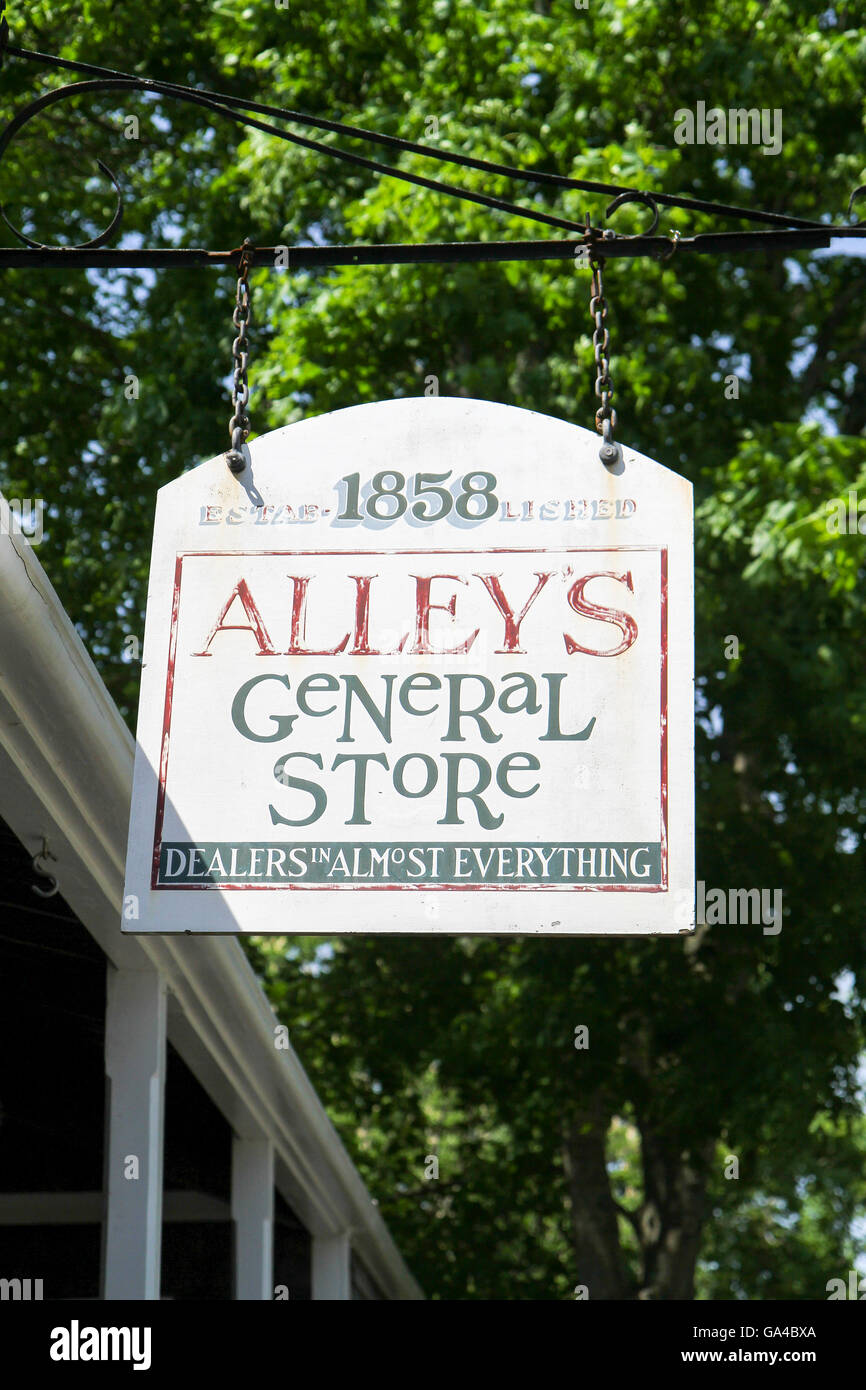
column 663, row 703
column 404, row 887
column 166, row 722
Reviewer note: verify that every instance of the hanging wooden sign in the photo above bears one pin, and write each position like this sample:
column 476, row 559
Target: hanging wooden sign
column 424, row 666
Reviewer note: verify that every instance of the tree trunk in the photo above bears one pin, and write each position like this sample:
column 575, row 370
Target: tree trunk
column 599, row 1262
column 671, row 1218
column 668, row 1224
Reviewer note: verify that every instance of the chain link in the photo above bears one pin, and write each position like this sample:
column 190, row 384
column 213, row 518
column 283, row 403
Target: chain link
column 605, row 416
column 239, row 425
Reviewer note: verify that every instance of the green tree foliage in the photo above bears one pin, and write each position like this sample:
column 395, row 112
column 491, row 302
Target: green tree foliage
column 558, row 1166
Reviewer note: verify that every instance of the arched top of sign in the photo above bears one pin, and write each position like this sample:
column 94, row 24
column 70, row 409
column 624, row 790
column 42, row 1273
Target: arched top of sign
column 424, row 425
column 428, row 650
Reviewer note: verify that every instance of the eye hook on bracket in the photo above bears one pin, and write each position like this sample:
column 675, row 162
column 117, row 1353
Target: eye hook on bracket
column 675, row 239
column 633, row 196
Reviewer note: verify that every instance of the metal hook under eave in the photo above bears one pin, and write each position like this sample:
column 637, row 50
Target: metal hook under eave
column 45, row 854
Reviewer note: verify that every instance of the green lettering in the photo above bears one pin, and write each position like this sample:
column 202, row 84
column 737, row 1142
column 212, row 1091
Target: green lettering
column 453, row 793
column 400, row 767
column 456, row 712
column 360, row 760
column 411, row 683
column 283, row 722
column 308, row 686
column 381, row 718
column 554, row 732
column 509, row 765
column 526, row 685
column 300, row 784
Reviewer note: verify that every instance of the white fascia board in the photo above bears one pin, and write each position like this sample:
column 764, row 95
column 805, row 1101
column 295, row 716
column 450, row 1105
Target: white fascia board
column 66, row 761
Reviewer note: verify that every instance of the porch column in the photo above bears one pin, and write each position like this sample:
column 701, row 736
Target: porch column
column 332, row 1267
column 135, row 1066
column 253, row 1216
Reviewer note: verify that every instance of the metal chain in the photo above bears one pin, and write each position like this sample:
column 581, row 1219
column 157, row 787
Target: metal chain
column 605, row 416
column 239, row 425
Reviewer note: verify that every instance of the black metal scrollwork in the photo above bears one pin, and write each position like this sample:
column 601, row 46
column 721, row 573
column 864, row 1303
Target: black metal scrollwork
column 227, row 107
column 784, row 231
column 124, row 84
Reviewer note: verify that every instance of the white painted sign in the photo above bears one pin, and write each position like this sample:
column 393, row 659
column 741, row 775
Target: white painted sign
column 426, row 665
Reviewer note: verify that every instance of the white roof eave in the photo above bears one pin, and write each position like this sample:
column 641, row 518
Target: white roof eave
column 66, row 761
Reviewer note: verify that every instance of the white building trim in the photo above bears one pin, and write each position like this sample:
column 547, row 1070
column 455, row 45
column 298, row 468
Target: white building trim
column 66, row 760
